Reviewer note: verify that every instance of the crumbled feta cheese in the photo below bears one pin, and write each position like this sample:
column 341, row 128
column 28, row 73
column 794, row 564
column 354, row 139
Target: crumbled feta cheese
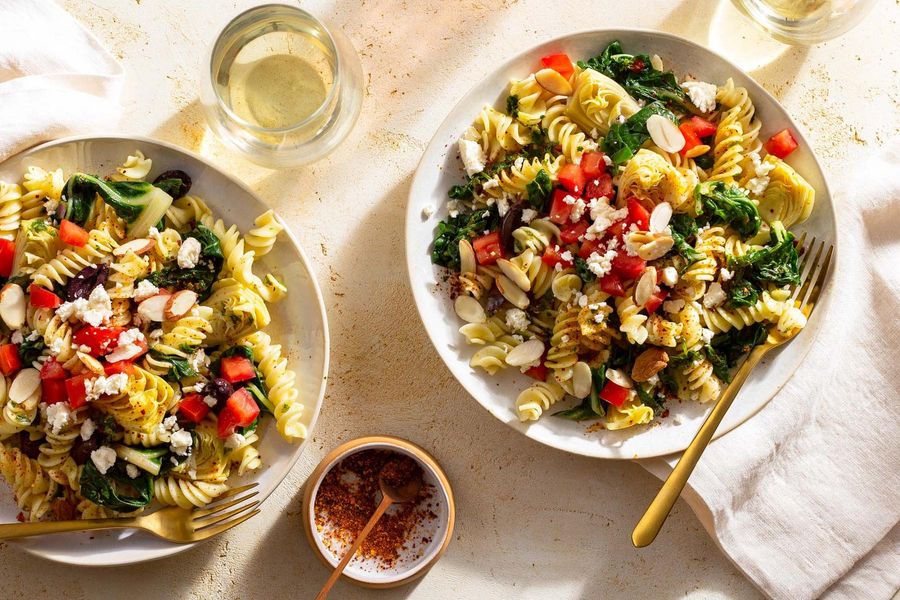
column 189, row 253
column 132, row 471
column 567, row 256
column 427, row 211
column 453, row 208
column 520, row 162
column 50, row 205
column 127, row 345
column 529, row 215
column 153, row 231
column 670, row 276
column 603, row 215
column 472, row 155
column 518, row 338
column 607, row 160
column 714, row 296
column 581, row 299
column 87, row 429
column 620, row 119
column 757, row 185
column 17, row 337
column 199, row 361
column 673, row 306
column 706, row 335
column 577, row 210
column 490, row 184
column 58, row 416
column 558, row 267
column 210, row 401
column 599, row 317
column 144, row 290
column 103, row 458
column 94, row 310
column 502, row 205
column 34, row 335
column 653, row 380
column 113, row 384
column 129, row 336
column 517, row 320
column 601, row 264
column 84, row 348
column 594, row 133
column 564, row 339
column 725, row 274
column 569, row 199
column 702, row 95
column 180, row 442
column 235, row 440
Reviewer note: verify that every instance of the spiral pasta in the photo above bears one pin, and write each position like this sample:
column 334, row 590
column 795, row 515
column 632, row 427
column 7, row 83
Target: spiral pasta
column 598, row 101
column 73, row 259
column 497, row 133
column 32, row 487
column 631, row 321
column 281, row 383
column 651, row 178
column 262, row 237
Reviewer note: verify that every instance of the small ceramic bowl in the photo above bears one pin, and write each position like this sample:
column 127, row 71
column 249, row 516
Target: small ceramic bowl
column 413, row 563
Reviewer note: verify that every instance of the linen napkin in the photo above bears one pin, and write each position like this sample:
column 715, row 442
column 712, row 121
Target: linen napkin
column 55, row 77
column 804, row 497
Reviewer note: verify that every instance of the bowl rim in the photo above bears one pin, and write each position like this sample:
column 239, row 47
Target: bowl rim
column 174, row 548
column 424, row 458
column 421, row 175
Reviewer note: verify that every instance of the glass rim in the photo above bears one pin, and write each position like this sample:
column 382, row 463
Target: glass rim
column 216, row 49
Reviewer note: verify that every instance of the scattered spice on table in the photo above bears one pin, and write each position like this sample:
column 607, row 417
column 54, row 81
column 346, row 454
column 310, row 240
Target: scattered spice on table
column 349, row 494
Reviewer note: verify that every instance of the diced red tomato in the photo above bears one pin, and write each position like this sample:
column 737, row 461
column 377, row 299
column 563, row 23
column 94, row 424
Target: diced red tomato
column 572, row 178
column 559, row 208
column 570, row 233
column 612, row 285
column 614, row 393
column 235, row 369
column 76, row 392
column 53, row 370
column 122, row 366
column 559, row 63
column 600, row 186
column 628, row 267
column 72, row 234
column 655, row 301
column 53, row 391
column 638, row 214
column 7, row 254
column 553, row 256
column 782, row 143
column 538, row 372
column 9, row 359
column 637, row 65
column 617, row 229
column 691, row 139
column 702, row 127
column 240, row 410
column 193, row 408
column 101, row 340
column 588, row 247
column 593, row 165
column 488, row 248
column 41, row 298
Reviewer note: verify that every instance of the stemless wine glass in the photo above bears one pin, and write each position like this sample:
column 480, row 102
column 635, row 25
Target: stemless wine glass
column 805, row 21
column 283, row 88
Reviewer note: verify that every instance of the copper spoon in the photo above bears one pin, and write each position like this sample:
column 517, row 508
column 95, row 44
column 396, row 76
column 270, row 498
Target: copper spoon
column 406, row 491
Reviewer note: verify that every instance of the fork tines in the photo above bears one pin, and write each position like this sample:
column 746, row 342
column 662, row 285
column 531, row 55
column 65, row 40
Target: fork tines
column 813, row 270
column 216, row 518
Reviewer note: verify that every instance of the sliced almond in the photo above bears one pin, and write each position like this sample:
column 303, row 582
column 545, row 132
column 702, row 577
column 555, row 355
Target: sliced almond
column 660, row 217
column 553, row 82
column 138, row 246
column 525, row 353
column 581, row 380
column 656, row 62
column 670, row 276
column 619, row 378
column 512, row 292
column 469, row 309
column 91, row 364
column 126, row 352
column 12, row 306
column 154, row 308
column 467, row 262
column 24, row 385
column 657, row 248
column 180, row 303
column 515, row 274
column 649, row 363
column 665, row 133
column 645, row 287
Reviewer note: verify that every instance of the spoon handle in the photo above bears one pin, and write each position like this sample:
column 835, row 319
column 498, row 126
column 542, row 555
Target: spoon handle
column 335, row 575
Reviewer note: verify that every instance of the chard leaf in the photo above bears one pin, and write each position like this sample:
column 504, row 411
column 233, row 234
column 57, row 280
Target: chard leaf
column 728, row 204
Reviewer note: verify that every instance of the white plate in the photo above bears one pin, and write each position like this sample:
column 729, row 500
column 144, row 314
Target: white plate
column 440, row 168
column 298, row 323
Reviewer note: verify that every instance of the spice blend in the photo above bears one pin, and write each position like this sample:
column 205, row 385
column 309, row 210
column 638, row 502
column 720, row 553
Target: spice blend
column 350, row 493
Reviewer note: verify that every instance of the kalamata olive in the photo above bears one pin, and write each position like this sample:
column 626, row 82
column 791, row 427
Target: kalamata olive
column 219, row 388
column 85, row 281
column 511, row 220
column 81, row 450
column 30, row 448
column 176, row 183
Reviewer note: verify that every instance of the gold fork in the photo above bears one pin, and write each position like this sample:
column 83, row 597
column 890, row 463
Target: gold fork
column 813, row 272
column 172, row 523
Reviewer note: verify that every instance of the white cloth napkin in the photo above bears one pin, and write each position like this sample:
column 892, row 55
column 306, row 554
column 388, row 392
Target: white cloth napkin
column 804, row 497
column 55, row 77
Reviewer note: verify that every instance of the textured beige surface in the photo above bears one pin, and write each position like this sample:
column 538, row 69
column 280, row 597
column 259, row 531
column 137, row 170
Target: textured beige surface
column 532, row 522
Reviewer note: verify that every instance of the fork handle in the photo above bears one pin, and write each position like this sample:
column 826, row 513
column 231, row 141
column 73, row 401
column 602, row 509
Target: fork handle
column 10, row 531
column 648, row 527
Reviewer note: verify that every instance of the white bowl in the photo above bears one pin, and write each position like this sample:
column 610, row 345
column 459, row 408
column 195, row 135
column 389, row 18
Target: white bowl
column 298, row 323
column 440, row 168
column 411, row 564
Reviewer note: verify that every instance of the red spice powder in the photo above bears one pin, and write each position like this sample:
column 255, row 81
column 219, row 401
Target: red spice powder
column 348, row 496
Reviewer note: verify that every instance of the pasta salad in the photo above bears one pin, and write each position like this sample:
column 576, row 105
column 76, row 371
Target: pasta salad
column 621, row 237
column 135, row 365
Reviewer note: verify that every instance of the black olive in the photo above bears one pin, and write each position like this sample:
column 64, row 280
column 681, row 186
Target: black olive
column 85, row 281
column 511, row 220
column 176, row 183
column 219, row 388
column 494, row 302
column 30, row 448
column 81, row 450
